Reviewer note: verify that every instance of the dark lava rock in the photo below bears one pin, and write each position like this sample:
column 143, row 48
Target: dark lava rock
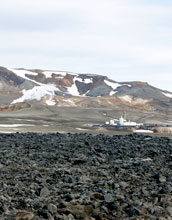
column 43, row 213
column 82, row 176
column 109, row 197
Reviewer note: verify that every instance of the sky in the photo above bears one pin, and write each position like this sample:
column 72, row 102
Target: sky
column 126, row 40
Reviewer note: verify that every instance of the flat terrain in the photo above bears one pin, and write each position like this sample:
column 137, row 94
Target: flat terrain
column 44, row 119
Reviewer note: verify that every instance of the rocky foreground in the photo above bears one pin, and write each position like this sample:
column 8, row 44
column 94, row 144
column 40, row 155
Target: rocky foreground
column 81, row 176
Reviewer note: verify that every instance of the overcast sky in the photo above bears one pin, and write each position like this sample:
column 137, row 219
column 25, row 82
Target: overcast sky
column 124, row 39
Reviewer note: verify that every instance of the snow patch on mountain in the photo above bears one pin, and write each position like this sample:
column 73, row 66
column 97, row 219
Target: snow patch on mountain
column 47, row 74
column 59, row 77
column 167, row 94
column 112, row 93
column 50, row 101
column 73, row 90
column 112, row 84
column 37, row 93
column 85, row 94
column 22, row 74
column 88, row 80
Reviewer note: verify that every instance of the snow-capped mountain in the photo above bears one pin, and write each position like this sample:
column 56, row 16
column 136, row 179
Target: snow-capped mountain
column 69, row 89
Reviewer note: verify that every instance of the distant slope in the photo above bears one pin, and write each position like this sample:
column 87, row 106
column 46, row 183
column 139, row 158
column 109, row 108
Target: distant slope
column 46, row 87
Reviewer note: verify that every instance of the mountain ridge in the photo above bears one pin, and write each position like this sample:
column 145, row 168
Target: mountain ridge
column 53, row 87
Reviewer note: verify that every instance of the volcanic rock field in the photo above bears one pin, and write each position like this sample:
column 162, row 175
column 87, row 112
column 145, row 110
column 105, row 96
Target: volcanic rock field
column 82, row 176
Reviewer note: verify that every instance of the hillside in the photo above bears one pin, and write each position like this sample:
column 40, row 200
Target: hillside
column 62, row 88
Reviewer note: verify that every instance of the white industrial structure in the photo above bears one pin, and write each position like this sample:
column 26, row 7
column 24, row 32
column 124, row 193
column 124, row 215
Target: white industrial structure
column 122, row 122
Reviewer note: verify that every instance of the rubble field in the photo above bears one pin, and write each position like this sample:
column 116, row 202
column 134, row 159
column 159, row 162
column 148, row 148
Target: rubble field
column 83, row 176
